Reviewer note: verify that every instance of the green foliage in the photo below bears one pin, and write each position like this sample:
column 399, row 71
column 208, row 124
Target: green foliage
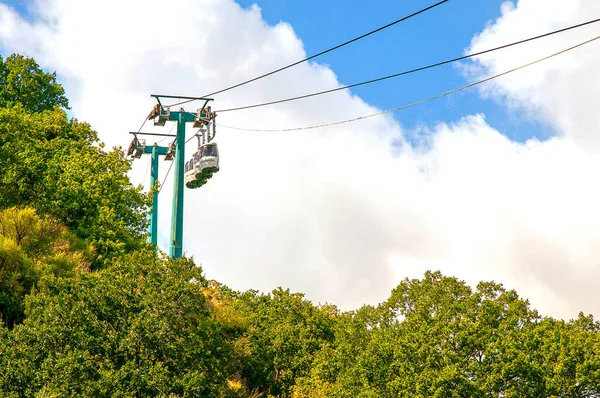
column 141, row 327
column 54, row 165
column 31, row 247
column 17, row 277
column 281, row 334
column 437, row 338
column 50, row 163
column 22, row 81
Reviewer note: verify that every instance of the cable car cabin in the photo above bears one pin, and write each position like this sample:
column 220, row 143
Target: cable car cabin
column 190, row 176
column 208, row 156
column 202, row 166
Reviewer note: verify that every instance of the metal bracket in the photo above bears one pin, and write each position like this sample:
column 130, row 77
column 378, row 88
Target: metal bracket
column 136, row 148
column 171, row 152
column 203, row 117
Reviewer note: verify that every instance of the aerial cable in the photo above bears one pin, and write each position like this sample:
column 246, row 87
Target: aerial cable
column 143, row 124
column 408, row 71
column 164, row 138
column 165, row 179
column 421, row 101
column 147, row 170
column 320, row 53
column 192, row 137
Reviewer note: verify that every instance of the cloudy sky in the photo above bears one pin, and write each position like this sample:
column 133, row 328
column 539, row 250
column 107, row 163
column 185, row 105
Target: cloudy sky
column 498, row 183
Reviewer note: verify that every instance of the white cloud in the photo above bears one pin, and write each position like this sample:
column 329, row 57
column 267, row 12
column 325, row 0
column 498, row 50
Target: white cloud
column 341, row 213
column 562, row 91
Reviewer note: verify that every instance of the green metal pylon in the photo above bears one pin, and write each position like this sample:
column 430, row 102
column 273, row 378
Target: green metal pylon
column 155, row 151
column 153, row 185
column 176, row 249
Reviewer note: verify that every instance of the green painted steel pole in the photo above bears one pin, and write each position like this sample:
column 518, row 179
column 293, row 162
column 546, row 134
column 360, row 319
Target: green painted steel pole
column 176, row 249
column 153, row 185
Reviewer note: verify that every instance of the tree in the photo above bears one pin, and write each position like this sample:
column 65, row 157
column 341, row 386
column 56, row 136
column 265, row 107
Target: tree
column 22, row 81
column 139, row 328
column 58, row 167
column 87, row 309
column 31, row 247
column 436, row 337
column 53, row 165
column 17, row 277
column 335, row 365
column 282, row 333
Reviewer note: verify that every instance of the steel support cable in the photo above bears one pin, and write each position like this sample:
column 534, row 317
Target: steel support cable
column 143, row 124
column 420, row 69
column 164, row 138
column 167, row 175
column 320, row 53
column 192, row 137
column 147, row 170
column 421, row 101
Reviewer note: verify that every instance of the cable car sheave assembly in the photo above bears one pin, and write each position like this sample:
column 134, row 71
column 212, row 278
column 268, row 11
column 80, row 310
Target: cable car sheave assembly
column 194, row 173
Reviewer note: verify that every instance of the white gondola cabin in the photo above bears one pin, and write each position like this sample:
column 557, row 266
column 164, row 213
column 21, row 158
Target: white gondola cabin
column 202, row 166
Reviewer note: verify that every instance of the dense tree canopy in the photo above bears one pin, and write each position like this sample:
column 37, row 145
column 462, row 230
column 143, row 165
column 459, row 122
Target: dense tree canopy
column 87, row 309
column 436, row 337
column 138, row 328
column 22, row 81
column 274, row 357
column 31, row 247
column 53, row 165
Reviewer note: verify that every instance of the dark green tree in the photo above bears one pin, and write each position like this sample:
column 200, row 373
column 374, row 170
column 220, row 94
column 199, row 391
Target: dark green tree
column 140, row 327
column 283, row 332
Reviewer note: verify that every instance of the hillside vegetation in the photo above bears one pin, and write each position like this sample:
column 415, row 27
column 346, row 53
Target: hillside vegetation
column 88, row 309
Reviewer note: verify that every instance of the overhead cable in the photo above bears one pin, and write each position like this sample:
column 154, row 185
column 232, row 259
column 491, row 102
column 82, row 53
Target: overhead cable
column 165, row 179
column 170, row 131
column 422, row 68
column 192, row 137
column 143, row 124
column 421, row 101
column 320, row 53
column 147, row 170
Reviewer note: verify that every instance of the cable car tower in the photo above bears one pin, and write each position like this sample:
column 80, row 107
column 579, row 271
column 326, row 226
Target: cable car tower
column 205, row 161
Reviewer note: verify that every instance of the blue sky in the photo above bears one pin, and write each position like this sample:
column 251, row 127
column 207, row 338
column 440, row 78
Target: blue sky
column 436, row 35
column 439, row 34
column 18, row 5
